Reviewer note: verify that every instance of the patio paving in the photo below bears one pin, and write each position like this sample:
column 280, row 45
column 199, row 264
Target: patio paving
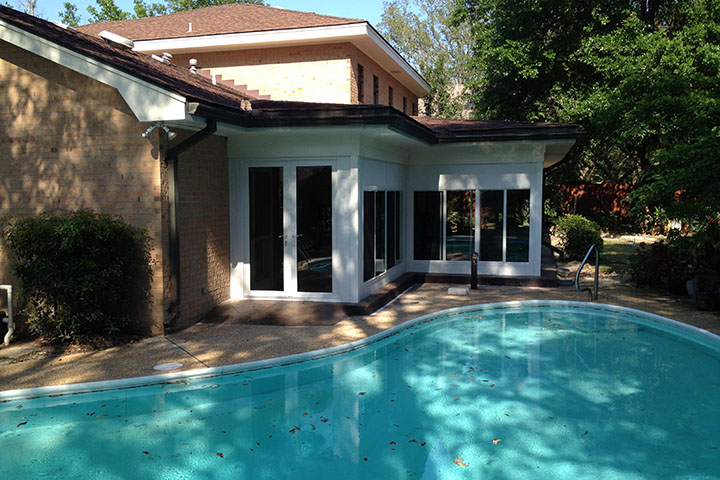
column 236, row 339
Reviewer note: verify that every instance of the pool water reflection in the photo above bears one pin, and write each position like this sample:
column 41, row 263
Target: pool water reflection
column 532, row 392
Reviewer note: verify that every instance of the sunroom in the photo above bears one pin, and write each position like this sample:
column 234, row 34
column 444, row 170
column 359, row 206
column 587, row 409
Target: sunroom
column 333, row 212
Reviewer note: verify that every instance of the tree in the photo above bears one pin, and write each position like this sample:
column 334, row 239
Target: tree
column 182, row 5
column 69, row 16
column 424, row 32
column 107, row 10
column 641, row 77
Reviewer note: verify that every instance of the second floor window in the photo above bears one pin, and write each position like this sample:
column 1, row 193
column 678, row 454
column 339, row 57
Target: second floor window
column 390, row 96
column 361, row 83
column 376, row 90
column 404, row 104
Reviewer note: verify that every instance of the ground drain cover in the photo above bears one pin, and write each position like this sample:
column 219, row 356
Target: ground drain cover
column 167, row 366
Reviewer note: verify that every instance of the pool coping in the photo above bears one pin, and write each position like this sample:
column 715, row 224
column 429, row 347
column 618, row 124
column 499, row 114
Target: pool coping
column 166, row 378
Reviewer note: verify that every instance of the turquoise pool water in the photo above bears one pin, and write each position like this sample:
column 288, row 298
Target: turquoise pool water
column 543, row 390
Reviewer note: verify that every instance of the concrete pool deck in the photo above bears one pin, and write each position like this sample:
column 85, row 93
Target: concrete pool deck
column 28, row 364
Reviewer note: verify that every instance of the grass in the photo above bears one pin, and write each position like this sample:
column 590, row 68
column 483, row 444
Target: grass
column 618, row 250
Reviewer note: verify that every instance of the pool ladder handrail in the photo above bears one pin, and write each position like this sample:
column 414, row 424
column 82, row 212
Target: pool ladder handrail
column 592, row 292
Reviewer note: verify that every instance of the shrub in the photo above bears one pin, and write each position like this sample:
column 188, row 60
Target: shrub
column 576, row 234
column 82, row 273
column 665, row 265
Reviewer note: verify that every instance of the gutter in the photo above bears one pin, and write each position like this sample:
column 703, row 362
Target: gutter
column 171, row 160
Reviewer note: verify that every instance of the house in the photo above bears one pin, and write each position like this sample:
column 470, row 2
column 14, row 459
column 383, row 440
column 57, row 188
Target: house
column 247, row 197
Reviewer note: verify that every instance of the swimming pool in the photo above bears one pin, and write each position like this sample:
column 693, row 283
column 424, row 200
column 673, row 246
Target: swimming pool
column 503, row 391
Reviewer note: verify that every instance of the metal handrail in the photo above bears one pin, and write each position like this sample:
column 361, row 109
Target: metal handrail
column 593, row 292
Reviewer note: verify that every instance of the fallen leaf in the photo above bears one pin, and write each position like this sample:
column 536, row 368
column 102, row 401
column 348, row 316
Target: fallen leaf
column 492, row 385
column 365, row 458
column 324, row 420
column 393, row 443
column 460, row 462
column 19, row 407
column 478, row 316
column 496, row 441
column 362, row 393
column 313, row 426
column 220, row 455
column 21, row 423
column 457, row 398
column 146, row 453
column 305, row 414
column 183, row 443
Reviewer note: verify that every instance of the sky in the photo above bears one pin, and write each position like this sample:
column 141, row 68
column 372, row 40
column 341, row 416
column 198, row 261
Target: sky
column 369, row 10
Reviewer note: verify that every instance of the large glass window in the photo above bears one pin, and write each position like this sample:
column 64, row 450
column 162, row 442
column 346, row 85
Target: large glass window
column 491, row 225
column 459, row 224
column 266, row 228
column 427, row 231
column 518, row 225
column 504, row 225
column 381, row 232
column 314, row 229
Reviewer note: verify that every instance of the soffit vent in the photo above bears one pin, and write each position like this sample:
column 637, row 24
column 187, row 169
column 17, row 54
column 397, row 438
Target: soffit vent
column 117, row 40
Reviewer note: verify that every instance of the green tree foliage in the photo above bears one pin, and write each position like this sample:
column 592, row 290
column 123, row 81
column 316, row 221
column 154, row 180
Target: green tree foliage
column 108, row 10
column 69, row 15
column 182, row 5
column 424, row 32
column 641, row 77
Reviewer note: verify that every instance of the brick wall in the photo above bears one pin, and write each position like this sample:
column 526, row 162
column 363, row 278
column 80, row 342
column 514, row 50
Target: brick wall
column 204, row 228
column 311, row 73
column 385, row 80
column 315, row 73
column 69, row 142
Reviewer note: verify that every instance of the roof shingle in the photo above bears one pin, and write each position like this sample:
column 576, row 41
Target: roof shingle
column 216, row 20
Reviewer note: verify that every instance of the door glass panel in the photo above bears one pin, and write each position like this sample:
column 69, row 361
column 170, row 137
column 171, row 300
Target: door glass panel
column 398, row 228
column 266, row 228
column 491, row 225
column 460, row 225
column 518, row 225
column 427, row 231
column 314, row 229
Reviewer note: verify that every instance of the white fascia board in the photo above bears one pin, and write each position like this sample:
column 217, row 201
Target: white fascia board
column 148, row 102
column 354, row 32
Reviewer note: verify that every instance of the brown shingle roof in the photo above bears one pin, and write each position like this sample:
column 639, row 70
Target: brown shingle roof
column 179, row 80
column 216, row 20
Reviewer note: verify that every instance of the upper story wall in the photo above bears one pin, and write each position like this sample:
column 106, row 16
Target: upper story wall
column 311, row 73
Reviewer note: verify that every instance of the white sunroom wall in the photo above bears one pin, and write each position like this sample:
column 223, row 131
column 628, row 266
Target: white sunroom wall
column 521, row 168
column 376, row 175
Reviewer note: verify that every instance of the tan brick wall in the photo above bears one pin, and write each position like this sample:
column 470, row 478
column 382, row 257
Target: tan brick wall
column 204, row 228
column 315, row 73
column 69, row 142
column 385, row 80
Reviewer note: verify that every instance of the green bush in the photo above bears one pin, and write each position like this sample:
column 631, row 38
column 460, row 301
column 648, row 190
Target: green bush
column 666, row 265
column 576, row 234
column 83, row 273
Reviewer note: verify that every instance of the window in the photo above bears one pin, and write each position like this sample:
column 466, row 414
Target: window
column 518, row 225
column 404, row 104
column 376, row 90
column 428, row 226
column 382, row 235
column 414, row 109
column 390, row 96
column 459, row 224
column 361, row 83
column 504, row 225
column 491, row 225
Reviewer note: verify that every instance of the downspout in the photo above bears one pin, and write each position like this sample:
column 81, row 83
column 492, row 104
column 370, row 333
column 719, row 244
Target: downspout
column 171, row 160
